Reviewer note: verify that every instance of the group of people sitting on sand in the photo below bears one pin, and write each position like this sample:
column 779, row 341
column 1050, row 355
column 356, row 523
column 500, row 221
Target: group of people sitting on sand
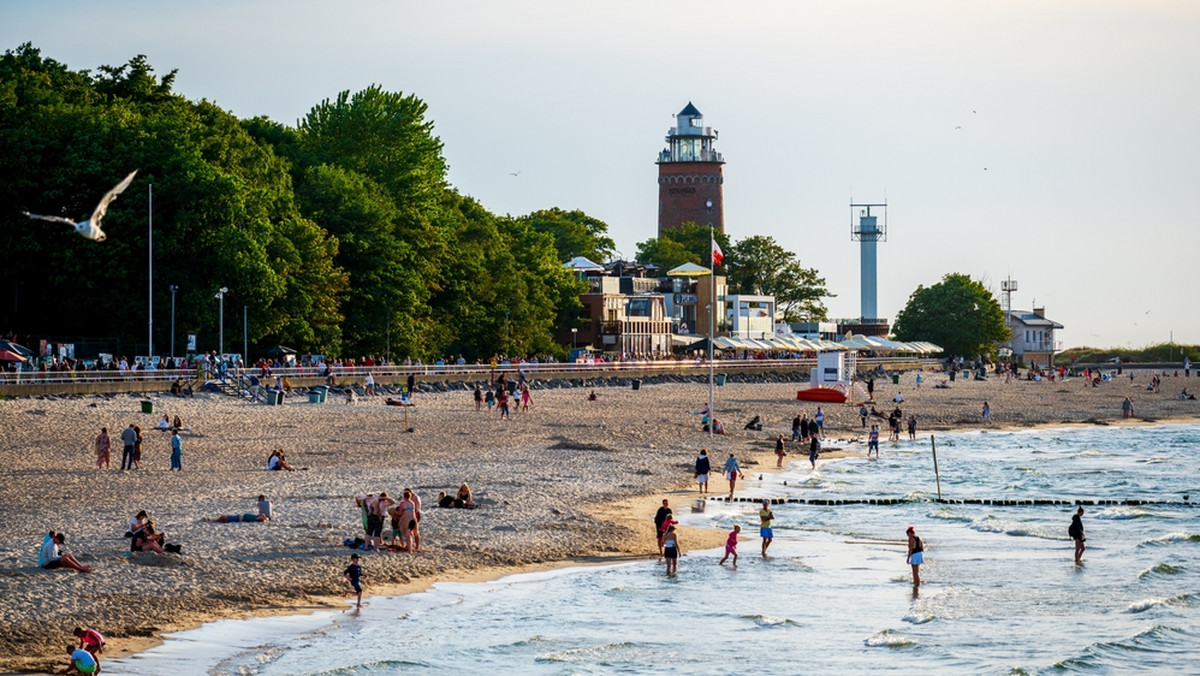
column 145, row 537
column 278, row 462
column 165, row 424
column 461, row 500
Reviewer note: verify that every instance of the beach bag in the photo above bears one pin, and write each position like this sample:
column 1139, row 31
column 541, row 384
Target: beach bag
column 173, row 548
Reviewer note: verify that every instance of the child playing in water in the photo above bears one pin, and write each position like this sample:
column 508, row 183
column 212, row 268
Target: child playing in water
column 353, row 574
column 731, row 546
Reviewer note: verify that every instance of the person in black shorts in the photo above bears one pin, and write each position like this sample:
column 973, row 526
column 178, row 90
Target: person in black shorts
column 353, row 574
column 660, row 517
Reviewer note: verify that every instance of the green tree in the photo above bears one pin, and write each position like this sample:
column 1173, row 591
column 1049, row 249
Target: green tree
column 574, row 232
column 759, row 265
column 688, row 244
column 958, row 313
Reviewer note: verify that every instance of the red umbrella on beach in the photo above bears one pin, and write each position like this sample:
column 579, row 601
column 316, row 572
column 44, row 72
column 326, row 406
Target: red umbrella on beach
column 9, row 355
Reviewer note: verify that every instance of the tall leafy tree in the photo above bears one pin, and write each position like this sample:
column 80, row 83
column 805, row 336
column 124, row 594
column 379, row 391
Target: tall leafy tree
column 574, row 232
column 759, row 265
column 959, row 313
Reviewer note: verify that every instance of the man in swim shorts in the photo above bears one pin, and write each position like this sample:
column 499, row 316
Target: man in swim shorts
column 765, row 517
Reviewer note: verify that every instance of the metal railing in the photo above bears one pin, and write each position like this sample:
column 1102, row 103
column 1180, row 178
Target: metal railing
column 482, row 371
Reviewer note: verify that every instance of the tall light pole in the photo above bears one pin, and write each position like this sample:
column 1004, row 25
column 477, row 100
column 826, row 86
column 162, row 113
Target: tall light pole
column 574, row 334
column 150, row 289
column 172, row 288
column 221, row 322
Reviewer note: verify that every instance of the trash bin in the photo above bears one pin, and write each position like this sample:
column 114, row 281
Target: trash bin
column 637, row 384
column 147, row 407
column 895, row 380
column 322, row 393
column 314, row 397
column 274, row 397
column 952, row 372
column 721, row 379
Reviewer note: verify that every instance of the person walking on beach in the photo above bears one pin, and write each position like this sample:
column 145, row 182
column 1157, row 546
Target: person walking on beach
column 354, row 575
column 660, row 519
column 987, row 413
column 103, row 449
column 765, row 517
column 779, row 452
column 1076, row 533
column 912, row 427
column 176, row 451
column 703, row 468
column 732, row 472
column 1127, row 408
column 128, row 438
column 916, row 555
column 871, row 389
column 796, row 428
column 671, row 550
column 820, row 420
column 863, row 413
column 478, row 397
column 731, row 546
column 873, row 441
column 814, row 448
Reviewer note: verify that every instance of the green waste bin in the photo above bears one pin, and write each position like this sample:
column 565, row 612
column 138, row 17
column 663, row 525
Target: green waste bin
column 721, row 379
column 314, row 397
column 637, row 384
column 147, row 407
column 274, row 397
column 895, row 380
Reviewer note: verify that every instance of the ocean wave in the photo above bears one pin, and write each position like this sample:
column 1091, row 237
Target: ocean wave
column 991, row 524
column 887, row 639
column 1129, row 655
column 918, row 618
column 769, row 622
column 1170, row 539
column 586, row 653
column 1146, row 604
column 946, row 515
column 1159, row 570
column 1155, row 460
column 376, row 667
column 1121, row 513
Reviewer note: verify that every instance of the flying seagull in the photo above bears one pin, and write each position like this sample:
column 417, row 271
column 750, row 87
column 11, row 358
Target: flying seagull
column 91, row 227
column 515, row 173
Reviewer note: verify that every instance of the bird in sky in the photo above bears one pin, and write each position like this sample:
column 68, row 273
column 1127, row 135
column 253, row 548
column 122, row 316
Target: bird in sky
column 515, row 173
column 90, row 228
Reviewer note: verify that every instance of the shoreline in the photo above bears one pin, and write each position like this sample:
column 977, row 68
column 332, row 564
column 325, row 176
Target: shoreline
column 604, row 470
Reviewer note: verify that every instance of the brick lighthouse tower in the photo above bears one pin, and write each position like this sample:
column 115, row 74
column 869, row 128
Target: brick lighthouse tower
column 689, row 175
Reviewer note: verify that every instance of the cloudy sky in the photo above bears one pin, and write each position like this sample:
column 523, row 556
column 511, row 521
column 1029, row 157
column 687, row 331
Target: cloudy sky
column 1053, row 142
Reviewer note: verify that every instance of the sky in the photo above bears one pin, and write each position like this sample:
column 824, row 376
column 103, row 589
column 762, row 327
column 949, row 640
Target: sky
column 1055, row 143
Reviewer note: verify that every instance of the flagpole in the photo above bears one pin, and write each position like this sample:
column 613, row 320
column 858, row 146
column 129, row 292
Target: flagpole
column 712, row 309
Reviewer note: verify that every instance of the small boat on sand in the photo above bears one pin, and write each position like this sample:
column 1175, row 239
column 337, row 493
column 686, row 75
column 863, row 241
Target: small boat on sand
column 824, row 394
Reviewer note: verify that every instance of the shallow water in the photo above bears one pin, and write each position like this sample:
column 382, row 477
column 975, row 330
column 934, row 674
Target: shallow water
column 1001, row 593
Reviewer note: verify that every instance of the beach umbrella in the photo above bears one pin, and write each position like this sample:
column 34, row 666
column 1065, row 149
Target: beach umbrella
column 582, row 264
column 689, row 270
column 6, row 344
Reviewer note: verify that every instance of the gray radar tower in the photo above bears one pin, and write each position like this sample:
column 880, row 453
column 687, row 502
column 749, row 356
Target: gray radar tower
column 868, row 231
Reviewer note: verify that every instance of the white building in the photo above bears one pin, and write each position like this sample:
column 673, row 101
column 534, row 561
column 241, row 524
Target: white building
column 1033, row 342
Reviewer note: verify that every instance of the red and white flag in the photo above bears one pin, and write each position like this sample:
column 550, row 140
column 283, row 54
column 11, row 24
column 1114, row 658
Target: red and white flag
column 717, row 256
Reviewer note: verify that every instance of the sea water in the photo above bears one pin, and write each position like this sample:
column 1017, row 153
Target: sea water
column 1001, row 592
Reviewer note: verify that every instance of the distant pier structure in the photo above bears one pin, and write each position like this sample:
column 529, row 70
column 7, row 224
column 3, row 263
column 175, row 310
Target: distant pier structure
column 690, row 175
column 868, row 231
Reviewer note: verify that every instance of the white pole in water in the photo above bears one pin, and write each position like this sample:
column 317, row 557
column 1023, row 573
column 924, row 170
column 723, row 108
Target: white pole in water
column 936, row 474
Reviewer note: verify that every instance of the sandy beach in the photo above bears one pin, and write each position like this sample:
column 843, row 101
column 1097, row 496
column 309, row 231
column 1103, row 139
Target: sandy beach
column 567, row 481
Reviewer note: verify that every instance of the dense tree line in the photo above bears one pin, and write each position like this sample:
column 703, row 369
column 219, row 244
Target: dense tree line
column 340, row 235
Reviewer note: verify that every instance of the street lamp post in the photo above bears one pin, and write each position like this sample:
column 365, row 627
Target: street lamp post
column 574, row 335
column 221, row 322
column 172, row 288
